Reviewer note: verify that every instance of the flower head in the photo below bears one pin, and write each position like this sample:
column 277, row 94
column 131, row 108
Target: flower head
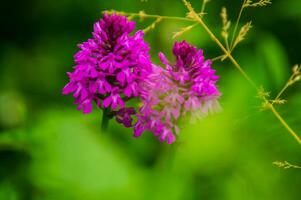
column 109, row 66
column 186, row 87
column 124, row 116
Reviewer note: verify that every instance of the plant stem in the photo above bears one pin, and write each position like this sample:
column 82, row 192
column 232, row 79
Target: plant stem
column 281, row 92
column 105, row 120
column 203, row 6
column 283, row 122
column 152, row 25
column 236, row 24
column 285, row 87
column 227, row 44
column 144, row 15
column 217, row 58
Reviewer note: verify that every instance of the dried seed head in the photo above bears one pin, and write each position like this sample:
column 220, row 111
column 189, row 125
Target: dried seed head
column 226, row 23
column 280, row 164
column 285, row 165
column 183, row 30
column 259, row 3
column 279, row 101
column 262, row 94
column 296, row 69
column 242, row 33
column 191, row 13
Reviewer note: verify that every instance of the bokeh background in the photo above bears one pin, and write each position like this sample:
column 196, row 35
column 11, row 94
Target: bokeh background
column 49, row 150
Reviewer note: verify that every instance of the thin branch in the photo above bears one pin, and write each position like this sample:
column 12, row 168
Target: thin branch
column 282, row 90
column 237, row 23
column 296, row 76
column 283, row 122
column 152, row 25
column 204, row 6
column 143, row 15
column 221, row 57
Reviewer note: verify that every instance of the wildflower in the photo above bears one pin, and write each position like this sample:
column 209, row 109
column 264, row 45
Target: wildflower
column 186, row 87
column 109, row 66
column 124, row 116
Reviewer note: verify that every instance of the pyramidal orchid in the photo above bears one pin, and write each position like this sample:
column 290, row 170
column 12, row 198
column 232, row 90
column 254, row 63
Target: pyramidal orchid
column 109, row 67
column 186, row 87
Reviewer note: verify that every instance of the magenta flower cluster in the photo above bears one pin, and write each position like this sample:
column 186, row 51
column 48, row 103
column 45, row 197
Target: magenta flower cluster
column 109, row 66
column 186, row 87
column 114, row 66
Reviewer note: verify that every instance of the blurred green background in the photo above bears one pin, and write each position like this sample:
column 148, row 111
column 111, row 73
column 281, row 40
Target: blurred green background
column 49, row 150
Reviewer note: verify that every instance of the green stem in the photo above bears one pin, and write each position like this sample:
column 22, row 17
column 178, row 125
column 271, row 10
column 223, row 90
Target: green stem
column 171, row 154
column 288, row 83
column 236, row 24
column 283, row 122
column 105, row 120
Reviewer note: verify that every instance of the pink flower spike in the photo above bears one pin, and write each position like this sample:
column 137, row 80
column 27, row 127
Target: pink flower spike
column 185, row 87
column 114, row 57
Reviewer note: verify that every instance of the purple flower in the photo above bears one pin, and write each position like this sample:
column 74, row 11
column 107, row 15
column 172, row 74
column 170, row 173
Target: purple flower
column 109, row 66
column 186, row 87
column 124, row 116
